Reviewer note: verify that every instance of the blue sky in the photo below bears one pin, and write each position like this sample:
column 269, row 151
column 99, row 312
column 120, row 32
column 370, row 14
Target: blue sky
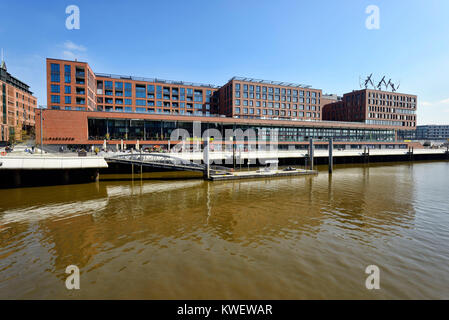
column 321, row 43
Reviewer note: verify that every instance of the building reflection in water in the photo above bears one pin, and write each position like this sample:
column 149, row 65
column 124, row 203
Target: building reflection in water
column 92, row 225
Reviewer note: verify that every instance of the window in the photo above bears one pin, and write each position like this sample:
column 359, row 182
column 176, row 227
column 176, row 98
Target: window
column 55, row 75
column 55, row 99
column 54, row 67
column 55, row 88
column 68, row 100
column 67, row 89
column 67, row 73
column 108, row 85
column 128, row 89
column 140, row 91
column 128, row 101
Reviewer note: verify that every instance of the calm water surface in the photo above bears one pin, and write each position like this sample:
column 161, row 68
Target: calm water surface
column 296, row 238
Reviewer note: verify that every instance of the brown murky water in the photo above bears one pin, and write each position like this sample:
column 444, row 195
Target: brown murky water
column 295, row 238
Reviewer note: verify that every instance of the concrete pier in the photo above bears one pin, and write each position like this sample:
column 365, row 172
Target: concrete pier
column 261, row 174
column 36, row 170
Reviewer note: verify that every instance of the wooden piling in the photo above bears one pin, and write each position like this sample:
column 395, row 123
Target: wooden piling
column 311, row 151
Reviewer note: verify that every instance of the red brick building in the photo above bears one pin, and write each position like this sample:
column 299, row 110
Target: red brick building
column 374, row 107
column 86, row 128
column 17, row 108
column 253, row 98
column 72, row 85
column 86, row 108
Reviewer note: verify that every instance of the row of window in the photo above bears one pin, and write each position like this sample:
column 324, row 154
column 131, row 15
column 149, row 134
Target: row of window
column 390, row 123
column 277, row 112
column 55, row 74
column 68, row 108
column 271, row 97
column 250, row 103
column 152, row 110
column 392, row 103
column 55, row 88
column 158, row 96
column 67, row 99
column 391, row 110
column 144, row 91
column 283, row 91
column 158, row 104
column 390, row 97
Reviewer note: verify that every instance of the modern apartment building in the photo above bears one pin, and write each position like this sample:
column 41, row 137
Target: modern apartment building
column 374, row 107
column 70, row 85
column 17, row 108
column 87, row 108
column 73, row 85
column 249, row 98
column 432, row 132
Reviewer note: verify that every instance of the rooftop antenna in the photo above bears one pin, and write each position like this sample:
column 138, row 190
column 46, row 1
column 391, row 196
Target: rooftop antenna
column 379, row 85
column 366, row 81
column 393, row 88
column 389, row 83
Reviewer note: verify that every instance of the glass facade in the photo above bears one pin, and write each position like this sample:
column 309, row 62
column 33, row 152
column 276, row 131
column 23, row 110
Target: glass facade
column 131, row 129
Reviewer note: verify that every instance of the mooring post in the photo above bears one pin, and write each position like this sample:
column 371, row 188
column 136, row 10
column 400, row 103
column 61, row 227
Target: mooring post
column 206, row 159
column 331, row 158
column 311, row 151
column 233, row 152
column 141, row 163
